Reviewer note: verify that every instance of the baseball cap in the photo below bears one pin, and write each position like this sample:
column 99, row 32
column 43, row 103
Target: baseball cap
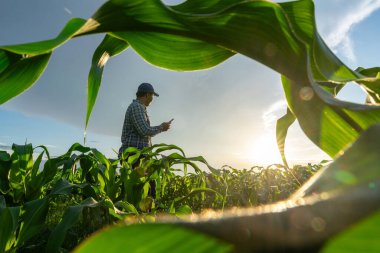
column 146, row 87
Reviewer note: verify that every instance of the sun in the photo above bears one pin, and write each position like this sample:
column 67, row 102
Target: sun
column 263, row 151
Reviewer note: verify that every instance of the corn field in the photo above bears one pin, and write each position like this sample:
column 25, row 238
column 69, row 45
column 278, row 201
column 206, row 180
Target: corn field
column 55, row 207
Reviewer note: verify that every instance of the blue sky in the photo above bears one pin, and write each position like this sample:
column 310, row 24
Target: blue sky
column 226, row 114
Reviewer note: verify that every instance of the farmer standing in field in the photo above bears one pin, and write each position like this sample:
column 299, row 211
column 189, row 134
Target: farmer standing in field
column 137, row 131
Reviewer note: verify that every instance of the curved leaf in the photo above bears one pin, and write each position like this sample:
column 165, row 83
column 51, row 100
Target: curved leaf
column 110, row 46
column 196, row 191
column 252, row 28
column 282, row 127
column 5, row 166
column 9, row 217
column 65, row 187
column 362, row 237
column 22, row 65
column 371, row 84
column 175, row 52
column 46, row 46
column 70, row 217
column 33, row 219
column 324, row 63
column 18, row 77
column 330, row 123
column 358, row 165
column 152, row 238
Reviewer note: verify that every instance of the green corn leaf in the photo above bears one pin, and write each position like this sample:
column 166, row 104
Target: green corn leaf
column 183, row 210
column 33, row 219
column 24, row 155
column 20, row 76
column 9, row 217
column 175, row 52
column 36, row 166
column 22, row 65
column 49, row 171
column 128, row 207
column 196, row 191
column 324, row 63
column 110, row 171
column 4, row 156
column 159, row 148
column 8, row 59
column 44, row 47
column 362, row 237
column 134, row 158
column 64, row 187
column 282, row 127
column 33, row 180
column 22, row 163
column 152, row 238
column 109, row 174
column 110, row 46
column 371, row 83
column 77, row 147
column 330, row 123
column 237, row 27
column 6, row 226
column 317, row 111
column 5, row 166
column 70, row 217
column 371, row 72
column 358, row 165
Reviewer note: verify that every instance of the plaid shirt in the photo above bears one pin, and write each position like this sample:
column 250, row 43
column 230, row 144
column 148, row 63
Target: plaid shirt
column 137, row 131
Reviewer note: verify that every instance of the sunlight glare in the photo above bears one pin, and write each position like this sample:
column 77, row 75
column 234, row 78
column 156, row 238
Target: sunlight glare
column 263, row 151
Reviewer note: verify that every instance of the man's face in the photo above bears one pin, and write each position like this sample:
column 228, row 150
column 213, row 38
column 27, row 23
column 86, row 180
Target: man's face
column 149, row 99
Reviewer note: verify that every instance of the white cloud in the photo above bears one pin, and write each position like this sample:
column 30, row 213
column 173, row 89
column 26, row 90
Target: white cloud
column 50, row 146
column 68, row 10
column 273, row 113
column 5, row 146
column 341, row 22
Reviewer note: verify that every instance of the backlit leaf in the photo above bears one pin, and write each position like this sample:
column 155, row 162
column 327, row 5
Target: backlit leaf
column 362, row 237
column 21, row 75
column 152, row 238
column 33, row 219
column 110, row 46
column 70, row 217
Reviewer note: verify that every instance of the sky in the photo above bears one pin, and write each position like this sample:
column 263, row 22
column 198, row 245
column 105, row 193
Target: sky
column 227, row 114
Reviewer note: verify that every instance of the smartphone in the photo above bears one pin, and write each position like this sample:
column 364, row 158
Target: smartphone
column 170, row 121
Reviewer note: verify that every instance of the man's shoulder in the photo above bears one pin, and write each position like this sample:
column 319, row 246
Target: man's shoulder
column 135, row 104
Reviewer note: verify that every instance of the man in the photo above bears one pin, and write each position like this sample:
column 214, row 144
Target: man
column 137, row 131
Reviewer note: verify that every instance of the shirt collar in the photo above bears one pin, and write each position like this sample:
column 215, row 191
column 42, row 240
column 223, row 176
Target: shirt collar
column 138, row 101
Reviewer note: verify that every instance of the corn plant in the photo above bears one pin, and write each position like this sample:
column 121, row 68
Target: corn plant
column 83, row 188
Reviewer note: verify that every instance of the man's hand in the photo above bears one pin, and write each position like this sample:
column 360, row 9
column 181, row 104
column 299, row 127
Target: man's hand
column 166, row 125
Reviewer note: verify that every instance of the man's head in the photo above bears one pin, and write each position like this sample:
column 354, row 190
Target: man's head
column 145, row 93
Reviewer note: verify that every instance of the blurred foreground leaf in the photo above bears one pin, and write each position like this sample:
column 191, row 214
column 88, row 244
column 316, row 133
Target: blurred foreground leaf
column 22, row 65
column 152, row 238
column 362, row 237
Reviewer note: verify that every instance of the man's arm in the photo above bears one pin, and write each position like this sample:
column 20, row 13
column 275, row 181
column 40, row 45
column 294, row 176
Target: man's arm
column 141, row 124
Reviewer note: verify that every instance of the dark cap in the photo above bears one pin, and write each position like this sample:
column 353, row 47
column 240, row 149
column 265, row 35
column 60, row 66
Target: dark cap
column 146, row 87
